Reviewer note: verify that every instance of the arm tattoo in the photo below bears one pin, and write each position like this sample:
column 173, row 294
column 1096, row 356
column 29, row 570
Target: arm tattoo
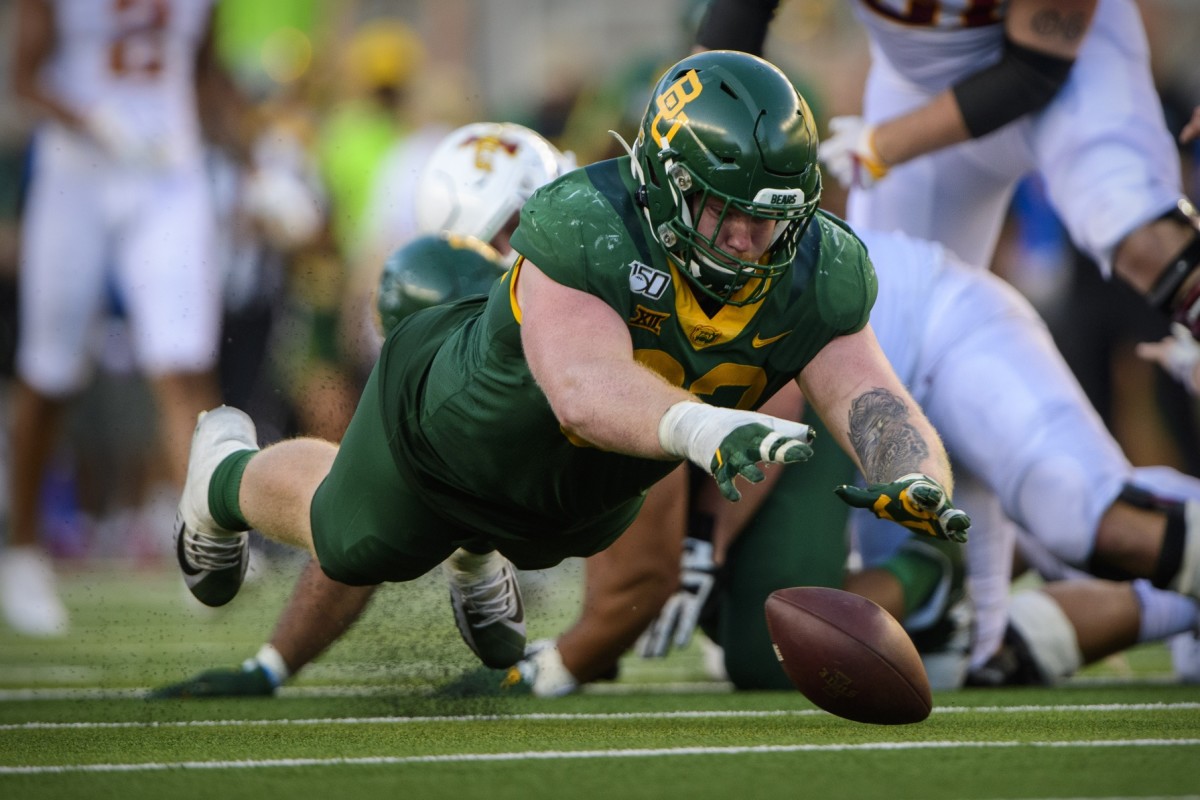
column 888, row 446
column 1052, row 23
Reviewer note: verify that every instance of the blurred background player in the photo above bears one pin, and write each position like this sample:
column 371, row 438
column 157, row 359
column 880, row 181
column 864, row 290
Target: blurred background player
column 1179, row 353
column 118, row 203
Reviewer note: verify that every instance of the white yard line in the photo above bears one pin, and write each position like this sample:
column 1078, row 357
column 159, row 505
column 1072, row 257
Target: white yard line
column 576, row 717
column 551, row 755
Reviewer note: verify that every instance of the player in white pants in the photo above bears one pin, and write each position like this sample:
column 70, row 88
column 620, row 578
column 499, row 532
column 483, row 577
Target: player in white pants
column 1025, row 442
column 118, row 203
column 963, row 99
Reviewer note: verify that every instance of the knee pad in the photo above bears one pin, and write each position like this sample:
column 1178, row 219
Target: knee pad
column 1178, row 567
column 1047, row 633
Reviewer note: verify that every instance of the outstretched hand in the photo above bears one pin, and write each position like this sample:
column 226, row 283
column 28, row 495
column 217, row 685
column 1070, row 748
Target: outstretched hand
column 729, row 442
column 741, row 451
column 916, row 501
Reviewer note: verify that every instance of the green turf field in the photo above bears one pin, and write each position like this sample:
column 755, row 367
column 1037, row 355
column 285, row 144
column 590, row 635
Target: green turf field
column 361, row 724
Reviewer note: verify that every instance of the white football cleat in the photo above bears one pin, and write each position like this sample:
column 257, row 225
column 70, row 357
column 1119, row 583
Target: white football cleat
column 212, row 558
column 1185, row 656
column 29, row 593
column 486, row 598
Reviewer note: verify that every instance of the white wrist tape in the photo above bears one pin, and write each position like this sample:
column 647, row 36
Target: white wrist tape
column 695, row 431
column 273, row 664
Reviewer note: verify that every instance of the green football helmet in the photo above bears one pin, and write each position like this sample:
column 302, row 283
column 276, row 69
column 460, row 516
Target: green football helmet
column 728, row 126
column 432, row 270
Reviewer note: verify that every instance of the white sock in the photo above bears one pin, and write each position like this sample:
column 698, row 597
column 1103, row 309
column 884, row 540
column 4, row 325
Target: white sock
column 1164, row 613
column 272, row 664
column 477, row 564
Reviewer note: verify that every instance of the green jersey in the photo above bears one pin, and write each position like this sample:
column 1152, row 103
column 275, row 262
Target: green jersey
column 470, row 427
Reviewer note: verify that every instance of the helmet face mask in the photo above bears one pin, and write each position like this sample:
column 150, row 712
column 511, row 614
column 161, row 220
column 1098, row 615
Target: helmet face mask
column 480, row 175
column 727, row 131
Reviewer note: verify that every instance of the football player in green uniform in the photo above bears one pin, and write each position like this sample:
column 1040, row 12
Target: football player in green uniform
column 656, row 301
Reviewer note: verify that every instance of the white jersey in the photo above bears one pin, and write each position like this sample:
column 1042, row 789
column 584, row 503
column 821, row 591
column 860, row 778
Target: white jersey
column 1102, row 144
column 134, row 60
column 933, row 44
column 95, row 225
column 1025, row 442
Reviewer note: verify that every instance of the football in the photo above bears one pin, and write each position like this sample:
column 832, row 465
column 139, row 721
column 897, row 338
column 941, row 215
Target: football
column 848, row 655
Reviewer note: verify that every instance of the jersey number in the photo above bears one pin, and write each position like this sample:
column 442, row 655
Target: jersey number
column 750, row 380
column 138, row 49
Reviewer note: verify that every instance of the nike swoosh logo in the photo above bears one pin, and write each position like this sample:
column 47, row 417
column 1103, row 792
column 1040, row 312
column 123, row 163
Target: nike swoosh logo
column 757, row 342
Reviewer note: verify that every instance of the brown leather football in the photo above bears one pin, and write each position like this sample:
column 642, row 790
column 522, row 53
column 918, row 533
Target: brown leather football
column 848, row 656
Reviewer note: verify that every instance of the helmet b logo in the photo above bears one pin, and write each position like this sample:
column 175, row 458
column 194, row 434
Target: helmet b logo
column 670, row 106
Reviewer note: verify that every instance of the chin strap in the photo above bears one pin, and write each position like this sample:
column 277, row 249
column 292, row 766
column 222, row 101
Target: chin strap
column 1165, row 290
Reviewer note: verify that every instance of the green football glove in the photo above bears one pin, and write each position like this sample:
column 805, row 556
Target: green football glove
column 249, row 681
column 740, row 452
column 729, row 442
column 916, row 501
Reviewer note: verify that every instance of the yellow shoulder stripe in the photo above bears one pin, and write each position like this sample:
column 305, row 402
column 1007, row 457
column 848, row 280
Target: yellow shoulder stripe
column 512, row 275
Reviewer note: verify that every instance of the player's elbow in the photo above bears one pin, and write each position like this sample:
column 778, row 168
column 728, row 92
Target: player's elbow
column 573, row 406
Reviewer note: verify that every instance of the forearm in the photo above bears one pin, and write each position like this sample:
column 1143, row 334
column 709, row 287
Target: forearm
column 891, row 437
column 319, row 611
column 613, row 405
column 49, row 107
column 929, row 128
column 1042, row 38
column 34, row 43
column 226, row 114
column 580, row 353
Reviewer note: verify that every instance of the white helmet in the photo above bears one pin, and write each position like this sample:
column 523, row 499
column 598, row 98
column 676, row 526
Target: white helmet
column 481, row 174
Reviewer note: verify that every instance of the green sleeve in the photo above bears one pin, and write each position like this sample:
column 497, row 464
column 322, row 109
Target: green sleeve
column 549, row 233
column 846, row 284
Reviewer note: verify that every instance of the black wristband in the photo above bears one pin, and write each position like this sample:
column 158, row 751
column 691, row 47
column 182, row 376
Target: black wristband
column 734, row 25
column 1022, row 81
